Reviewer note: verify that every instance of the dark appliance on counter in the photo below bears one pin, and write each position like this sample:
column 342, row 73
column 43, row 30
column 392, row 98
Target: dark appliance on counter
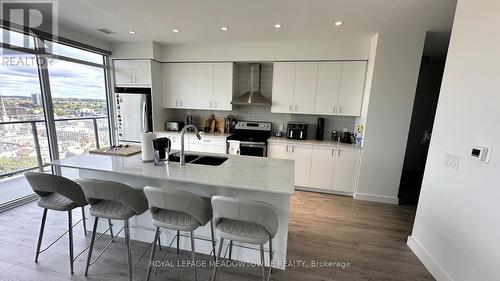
column 320, row 129
column 174, row 126
column 230, row 124
column 133, row 113
column 296, row 130
column 161, row 150
column 252, row 136
column 347, row 137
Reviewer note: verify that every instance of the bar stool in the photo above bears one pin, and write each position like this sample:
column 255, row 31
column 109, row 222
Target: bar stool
column 178, row 211
column 251, row 222
column 59, row 194
column 116, row 201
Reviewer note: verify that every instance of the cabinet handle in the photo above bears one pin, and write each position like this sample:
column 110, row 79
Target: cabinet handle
column 335, row 109
column 290, row 108
column 135, row 79
column 339, row 153
column 333, row 151
column 340, row 109
column 176, row 103
column 296, row 108
column 293, row 149
column 287, row 148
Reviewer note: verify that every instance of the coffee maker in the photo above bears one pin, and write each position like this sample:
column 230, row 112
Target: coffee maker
column 161, row 150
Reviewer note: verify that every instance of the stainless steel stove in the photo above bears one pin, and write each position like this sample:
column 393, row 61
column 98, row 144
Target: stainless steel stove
column 253, row 136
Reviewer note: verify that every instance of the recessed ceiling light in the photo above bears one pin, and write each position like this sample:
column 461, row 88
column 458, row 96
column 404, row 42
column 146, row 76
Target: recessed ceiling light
column 338, row 23
column 224, row 28
column 131, row 32
column 278, row 26
column 176, row 30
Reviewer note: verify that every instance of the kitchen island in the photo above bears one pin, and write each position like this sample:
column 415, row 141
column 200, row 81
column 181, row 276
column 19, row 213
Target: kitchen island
column 244, row 177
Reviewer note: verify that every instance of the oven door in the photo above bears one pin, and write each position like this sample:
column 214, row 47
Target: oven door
column 253, row 148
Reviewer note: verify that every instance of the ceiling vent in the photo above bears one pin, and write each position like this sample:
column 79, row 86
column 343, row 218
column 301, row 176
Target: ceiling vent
column 106, row 31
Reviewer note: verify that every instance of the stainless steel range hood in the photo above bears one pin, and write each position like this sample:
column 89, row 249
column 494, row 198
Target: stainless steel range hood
column 254, row 96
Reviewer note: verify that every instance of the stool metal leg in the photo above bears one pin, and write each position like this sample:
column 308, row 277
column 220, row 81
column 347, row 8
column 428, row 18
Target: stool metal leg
column 70, row 234
column 178, row 237
column 159, row 242
column 40, row 235
column 271, row 254
column 129, row 254
column 263, row 262
column 193, row 254
column 217, row 259
column 213, row 239
column 111, row 229
column 230, row 249
column 92, row 238
column 84, row 220
column 153, row 248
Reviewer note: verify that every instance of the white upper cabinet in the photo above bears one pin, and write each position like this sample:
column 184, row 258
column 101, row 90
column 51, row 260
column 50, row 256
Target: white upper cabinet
column 327, row 88
column 322, row 164
column 283, row 87
column 170, row 80
column 187, row 85
column 198, row 85
column 352, row 85
column 306, row 76
column 223, row 86
column 346, row 170
column 204, row 85
column 132, row 73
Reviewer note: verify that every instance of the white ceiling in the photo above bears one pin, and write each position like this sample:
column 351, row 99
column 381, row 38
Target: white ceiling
column 251, row 20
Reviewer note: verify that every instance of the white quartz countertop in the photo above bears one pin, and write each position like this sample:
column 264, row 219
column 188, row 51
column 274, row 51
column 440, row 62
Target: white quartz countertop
column 238, row 172
column 314, row 142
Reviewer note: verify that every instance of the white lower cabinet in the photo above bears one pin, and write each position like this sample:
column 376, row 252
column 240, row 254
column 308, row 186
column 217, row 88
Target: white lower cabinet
column 319, row 166
column 346, row 170
column 322, row 164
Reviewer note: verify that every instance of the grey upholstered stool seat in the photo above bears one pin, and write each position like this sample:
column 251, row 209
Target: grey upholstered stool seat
column 111, row 210
column 245, row 221
column 57, row 202
column 175, row 220
column 242, row 231
column 113, row 200
column 179, row 211
column 59, row 194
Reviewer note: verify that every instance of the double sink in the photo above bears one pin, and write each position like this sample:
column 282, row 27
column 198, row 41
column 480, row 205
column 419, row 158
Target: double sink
column 198, row 159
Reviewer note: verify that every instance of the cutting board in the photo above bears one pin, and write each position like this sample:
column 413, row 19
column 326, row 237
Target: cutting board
column 131, row 150
column 219, row 123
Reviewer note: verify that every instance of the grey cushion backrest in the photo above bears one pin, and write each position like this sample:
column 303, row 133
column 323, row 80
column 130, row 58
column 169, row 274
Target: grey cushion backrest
column 96, row 190
column 181, row 201
column 262, row 213
column 45, row 184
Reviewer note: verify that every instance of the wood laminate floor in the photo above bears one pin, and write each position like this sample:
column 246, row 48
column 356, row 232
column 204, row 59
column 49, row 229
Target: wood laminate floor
column 346, row 238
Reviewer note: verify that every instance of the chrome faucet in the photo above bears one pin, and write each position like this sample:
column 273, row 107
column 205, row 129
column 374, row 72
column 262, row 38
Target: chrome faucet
column 187, row 127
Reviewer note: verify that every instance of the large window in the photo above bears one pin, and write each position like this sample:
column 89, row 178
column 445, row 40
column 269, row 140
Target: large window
column 48, row 111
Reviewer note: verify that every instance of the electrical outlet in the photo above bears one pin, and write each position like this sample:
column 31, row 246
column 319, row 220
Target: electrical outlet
column 452, row 160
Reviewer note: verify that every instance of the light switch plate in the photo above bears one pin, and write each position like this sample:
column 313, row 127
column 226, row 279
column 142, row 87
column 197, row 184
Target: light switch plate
column 452, row 160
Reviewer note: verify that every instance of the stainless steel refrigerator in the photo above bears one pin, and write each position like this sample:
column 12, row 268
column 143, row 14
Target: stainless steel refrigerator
column 133, row 113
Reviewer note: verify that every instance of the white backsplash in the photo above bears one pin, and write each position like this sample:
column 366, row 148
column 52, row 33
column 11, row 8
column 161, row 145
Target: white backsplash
column 263, row 113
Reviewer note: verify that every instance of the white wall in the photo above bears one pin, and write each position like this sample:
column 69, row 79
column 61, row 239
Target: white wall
column 342, row 48
column 457, row 228
column 394, row 79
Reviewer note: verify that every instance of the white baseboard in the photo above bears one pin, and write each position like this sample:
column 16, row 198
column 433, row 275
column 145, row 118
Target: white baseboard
column 319, row 190
column 376, row 198
column 429, row 262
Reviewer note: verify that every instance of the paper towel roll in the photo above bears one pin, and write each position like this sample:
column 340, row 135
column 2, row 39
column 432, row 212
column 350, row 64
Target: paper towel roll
column 147, row 146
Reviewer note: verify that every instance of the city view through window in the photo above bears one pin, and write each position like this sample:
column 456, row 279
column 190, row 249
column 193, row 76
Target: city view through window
column 79, row 101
